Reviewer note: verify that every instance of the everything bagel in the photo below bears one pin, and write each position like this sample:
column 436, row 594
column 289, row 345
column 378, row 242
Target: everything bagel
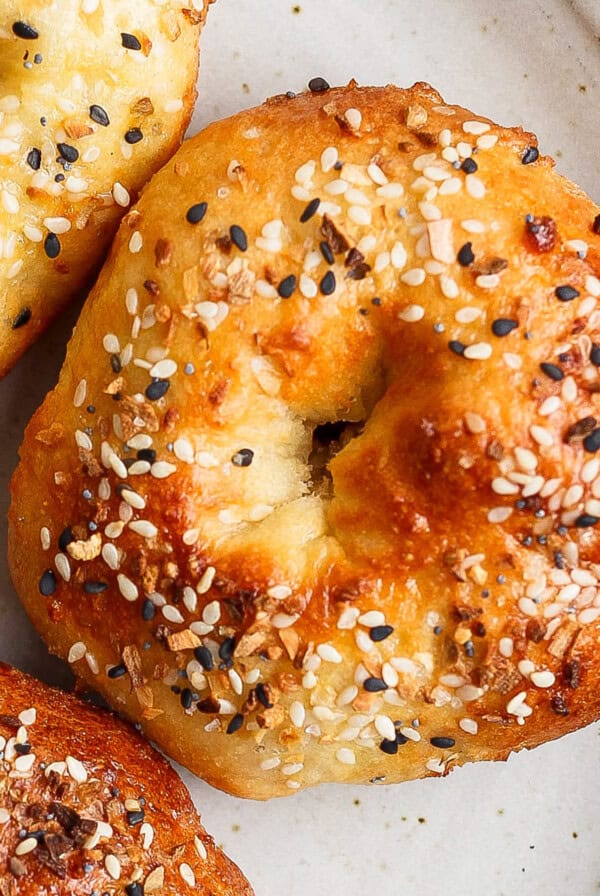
column 86, row 117
column 86, row 806
column 316, row 497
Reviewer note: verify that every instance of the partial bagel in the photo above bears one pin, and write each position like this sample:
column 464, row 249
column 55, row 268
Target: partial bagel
column 86, row 806
column 320, row 476
column 96, row 96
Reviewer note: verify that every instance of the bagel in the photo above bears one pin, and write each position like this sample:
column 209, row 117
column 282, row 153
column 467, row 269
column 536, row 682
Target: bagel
column 86, row 117
column 86, row 806
column 322, row 456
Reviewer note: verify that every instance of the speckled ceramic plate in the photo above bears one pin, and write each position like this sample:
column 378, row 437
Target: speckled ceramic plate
column 526, row 827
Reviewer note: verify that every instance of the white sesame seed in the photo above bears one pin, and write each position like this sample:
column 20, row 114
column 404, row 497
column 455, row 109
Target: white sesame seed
column 526, row 459
column 329, row 654
column 128, row 589
column 206, row 581
column 279, row 592
column 113, row 866
column 136, row 242
column 475, row 127
column 164, row 369
column 297, row 714
column 200, row 848
column 469, row 726
column 298, row 192
column 305, row 172
column 357, row 197
column 543, row 679
column 211, row 613
column 479, row 351
column 475, row 186
column 29, row 844
column 467, row 315
column 292, row 768
column 499, row 514
column 346, row 756
column 184, row 450
column 162, row 469
column 376, row 174
column 569, row 389
column 329, row 157
column 347, row 618
column 111, row 344
column 336, row 187
column 354, row 118
column 359, row 215
column 187, row 874
column 385, row 727
column 414, row 277
column 592, row 285
column 8, row 147
column 283, row 620
column 541, row 436
column 472, row 225
column 590, row 614
column 528, row 607
column 390, row 191
column 28, row 717
column 34, row 234
column 76, row 770
column 57, row 225
column 172, row 614
column 144, row 528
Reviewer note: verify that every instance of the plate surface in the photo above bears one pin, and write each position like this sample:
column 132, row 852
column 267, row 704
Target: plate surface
column 525, row 827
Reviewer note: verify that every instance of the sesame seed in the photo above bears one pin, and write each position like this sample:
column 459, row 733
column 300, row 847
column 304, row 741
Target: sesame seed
column 552, row 371
column 530, row 155
column 187, row 874
column 502, row 326
column 479, row 351
column 34, row 159
column 328, row 284
column 465, row 255
column 47, row 584
column 469, row 166
column 543, row 679
column 22, row 318
column 24, row 31
column 238, row 237
column 133, row 136
column 457, row 347
column 235, row 724
column 318, row 85
column 157, row 389
column 591, row 443
column 76, row 770
column 443, row 743
column 346, row 756
column 130, row 41
column 52, row 246
column 566, row 293
column 69, row 153
column 414, row 277
column 586, row 520
column 310, row 210
column 99, row 115
column 373, row 685
column 195, row 214
column 287, row 287
column 412, row 313
column 380, row 632
column 113, row 866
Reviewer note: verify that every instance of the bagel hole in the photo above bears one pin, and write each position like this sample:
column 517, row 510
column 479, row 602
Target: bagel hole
column 327, row 441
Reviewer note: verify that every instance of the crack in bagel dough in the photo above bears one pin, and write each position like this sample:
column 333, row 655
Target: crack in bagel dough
column 86, row 118
column 317, row 492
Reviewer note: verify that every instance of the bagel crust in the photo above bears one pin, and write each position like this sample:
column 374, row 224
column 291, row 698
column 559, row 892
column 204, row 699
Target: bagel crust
column 88, row 807
column 86, row 117
column 321, row 476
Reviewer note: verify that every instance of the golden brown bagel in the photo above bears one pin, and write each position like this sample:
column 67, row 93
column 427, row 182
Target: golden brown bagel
column 86, row 806
column 87, row 114
column 374, row 606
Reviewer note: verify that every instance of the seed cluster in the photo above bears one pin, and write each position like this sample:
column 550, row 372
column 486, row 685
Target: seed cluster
column 365, row 685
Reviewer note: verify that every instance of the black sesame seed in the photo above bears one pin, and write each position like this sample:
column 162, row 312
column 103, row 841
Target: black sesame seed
column 566, row 293
column 469, row 166
column 52, row 246
column 552, row 371
column 134, row 889
column 310, row 210
column 99, row 115
column 318, row 85
column 94, row 587
column 204, row 657
column 596, row 224
column 262, row 696
column 115, row 363
column 117, row 671
column 22, row 749
column 38, row 59
column 585, row 520
column 530, row 155
column 465, row 255
column 148, row 454
column 591, row 442
column 157, row 389
column 502, row 326
column 135, row 817
column 444, row 743
column 22, row 318
column 327, row 284
column 401, row 739
column 196, row 212
column 130, row 41
column 376, row 301
column 287, row 287
column 133, row 136
column 47, row 583
column 148, row 611
column 457, row 347
column 65, row 538
column 380, row 632
column 243, row 457
column 238, row 237
column 372, row 685
column 68, row 152
column 389, row 746
column 235, row 724
column 226, row 649
column 186, row 698
column 34, row 158
column 595, row 355
column 25, row 31
column 326, row 252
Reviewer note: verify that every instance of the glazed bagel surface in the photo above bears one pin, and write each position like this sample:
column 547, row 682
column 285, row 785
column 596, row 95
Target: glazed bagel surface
column 87, row 114
column 315, row 498
column 87, row 806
